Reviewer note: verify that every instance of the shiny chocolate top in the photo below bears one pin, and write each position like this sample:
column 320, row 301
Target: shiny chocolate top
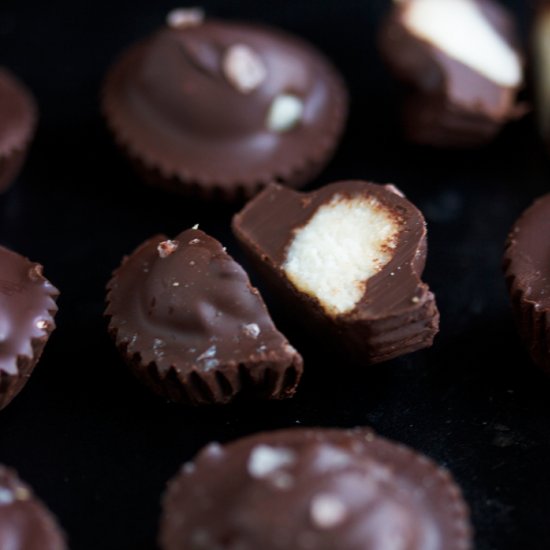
column 25, row 524
column 528, row 254
column 186, row 304
column 267, row 225
column 313, row 488
column 225, row 103
column 17, row 113
column 27, row 307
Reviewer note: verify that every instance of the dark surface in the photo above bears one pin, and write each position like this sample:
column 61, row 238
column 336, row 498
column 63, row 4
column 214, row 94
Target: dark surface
column 98, row 448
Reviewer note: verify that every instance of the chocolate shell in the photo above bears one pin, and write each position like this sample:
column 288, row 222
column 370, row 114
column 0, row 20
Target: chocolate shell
column 325, row 489
column 27, row 309
column 18, row 115
column 527, row 272
column 192, row 328
column 452, row 98
column 364, row 296
column 219, row 109
column 25, row 523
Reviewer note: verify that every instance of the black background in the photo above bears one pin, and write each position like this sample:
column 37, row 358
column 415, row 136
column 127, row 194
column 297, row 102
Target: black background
column 98, row 448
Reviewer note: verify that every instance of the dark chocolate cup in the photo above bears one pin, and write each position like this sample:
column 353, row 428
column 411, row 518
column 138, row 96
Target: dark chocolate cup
column 527, row 274
column 25, row 522
column 27, row 298
column 173, row 173
column 270, row 371
column 18, row 130
column 228, row 497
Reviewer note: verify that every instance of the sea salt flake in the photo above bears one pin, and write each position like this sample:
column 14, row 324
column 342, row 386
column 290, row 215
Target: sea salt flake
column 327, row 511
column 165, row 248
column 182, row 18
column 6, row 497
column 252, row 330
column 265, row 460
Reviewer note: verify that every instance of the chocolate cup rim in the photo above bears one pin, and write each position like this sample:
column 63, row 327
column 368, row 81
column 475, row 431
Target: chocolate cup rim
column 316, row 157
column 457, row 509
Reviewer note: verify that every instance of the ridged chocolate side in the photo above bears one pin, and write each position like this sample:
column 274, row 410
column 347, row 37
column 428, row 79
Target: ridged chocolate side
column 313, row 488
column 527, row 271
column 446, row 103
column 27, row 310
column 180, row 152
column 193, row 329
column 18, row 117
column 397, row 314
column 25, row 523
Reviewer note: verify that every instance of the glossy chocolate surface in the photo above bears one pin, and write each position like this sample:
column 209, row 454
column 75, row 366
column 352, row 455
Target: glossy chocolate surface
column 447, row 103
column 17, row 122
column 397, row 313
column 25, row 523
column 313, row 488
column 185, row 315
column 27, row 307
column 527, row 270
column 171, row 104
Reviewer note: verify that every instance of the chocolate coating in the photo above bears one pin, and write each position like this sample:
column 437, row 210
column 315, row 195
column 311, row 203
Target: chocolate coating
column 27, row 308
column 313, row 488
column 397, row 314
column 25, row 523
column 527, row 271
column 447, row 103
column 193, row 328
column 175, row 112
column 17, row 122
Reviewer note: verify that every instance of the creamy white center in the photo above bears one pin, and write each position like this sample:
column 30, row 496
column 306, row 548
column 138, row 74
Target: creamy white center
column 461, row 30
column 346, row 242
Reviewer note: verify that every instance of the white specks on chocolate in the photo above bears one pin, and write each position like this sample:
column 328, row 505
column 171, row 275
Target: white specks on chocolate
column 210, row 352
column 327, row 511
column 41, row 324
column 264, row 461
column 182, row 18
column 214, row 450
column 36, row 273
column 165, row 248
column 175, row 283
column 194, row 241
column 195, row 227
column 285, row 112
column 252, row 330
column 243, row 68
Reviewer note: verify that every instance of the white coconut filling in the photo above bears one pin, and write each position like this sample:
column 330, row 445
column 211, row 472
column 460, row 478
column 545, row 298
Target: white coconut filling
column 345, row 243
column 542, row 67
column 461, row 30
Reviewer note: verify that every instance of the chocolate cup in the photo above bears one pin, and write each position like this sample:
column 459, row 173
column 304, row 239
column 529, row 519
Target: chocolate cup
column 396, row 315
column 193, row 329
column 527, row 271
column 313, row 488
column 26, row 298
column 446, row 103
column 173, row 147
column 25, row 523
column 18, row 115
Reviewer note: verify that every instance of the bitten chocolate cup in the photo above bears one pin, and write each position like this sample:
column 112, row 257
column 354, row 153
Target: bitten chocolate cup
column 348, row 257
column 18, row 114
column 192, row 328
column 527, row 272
column 218, row 109
column 313, row 488
column 25, row 523
column 27, row 309
column 462, row 67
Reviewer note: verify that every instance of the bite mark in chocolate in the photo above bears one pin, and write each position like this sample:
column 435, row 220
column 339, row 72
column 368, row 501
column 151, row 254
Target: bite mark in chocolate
column 349, row 256
column 461, row 65
column 191, row 326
